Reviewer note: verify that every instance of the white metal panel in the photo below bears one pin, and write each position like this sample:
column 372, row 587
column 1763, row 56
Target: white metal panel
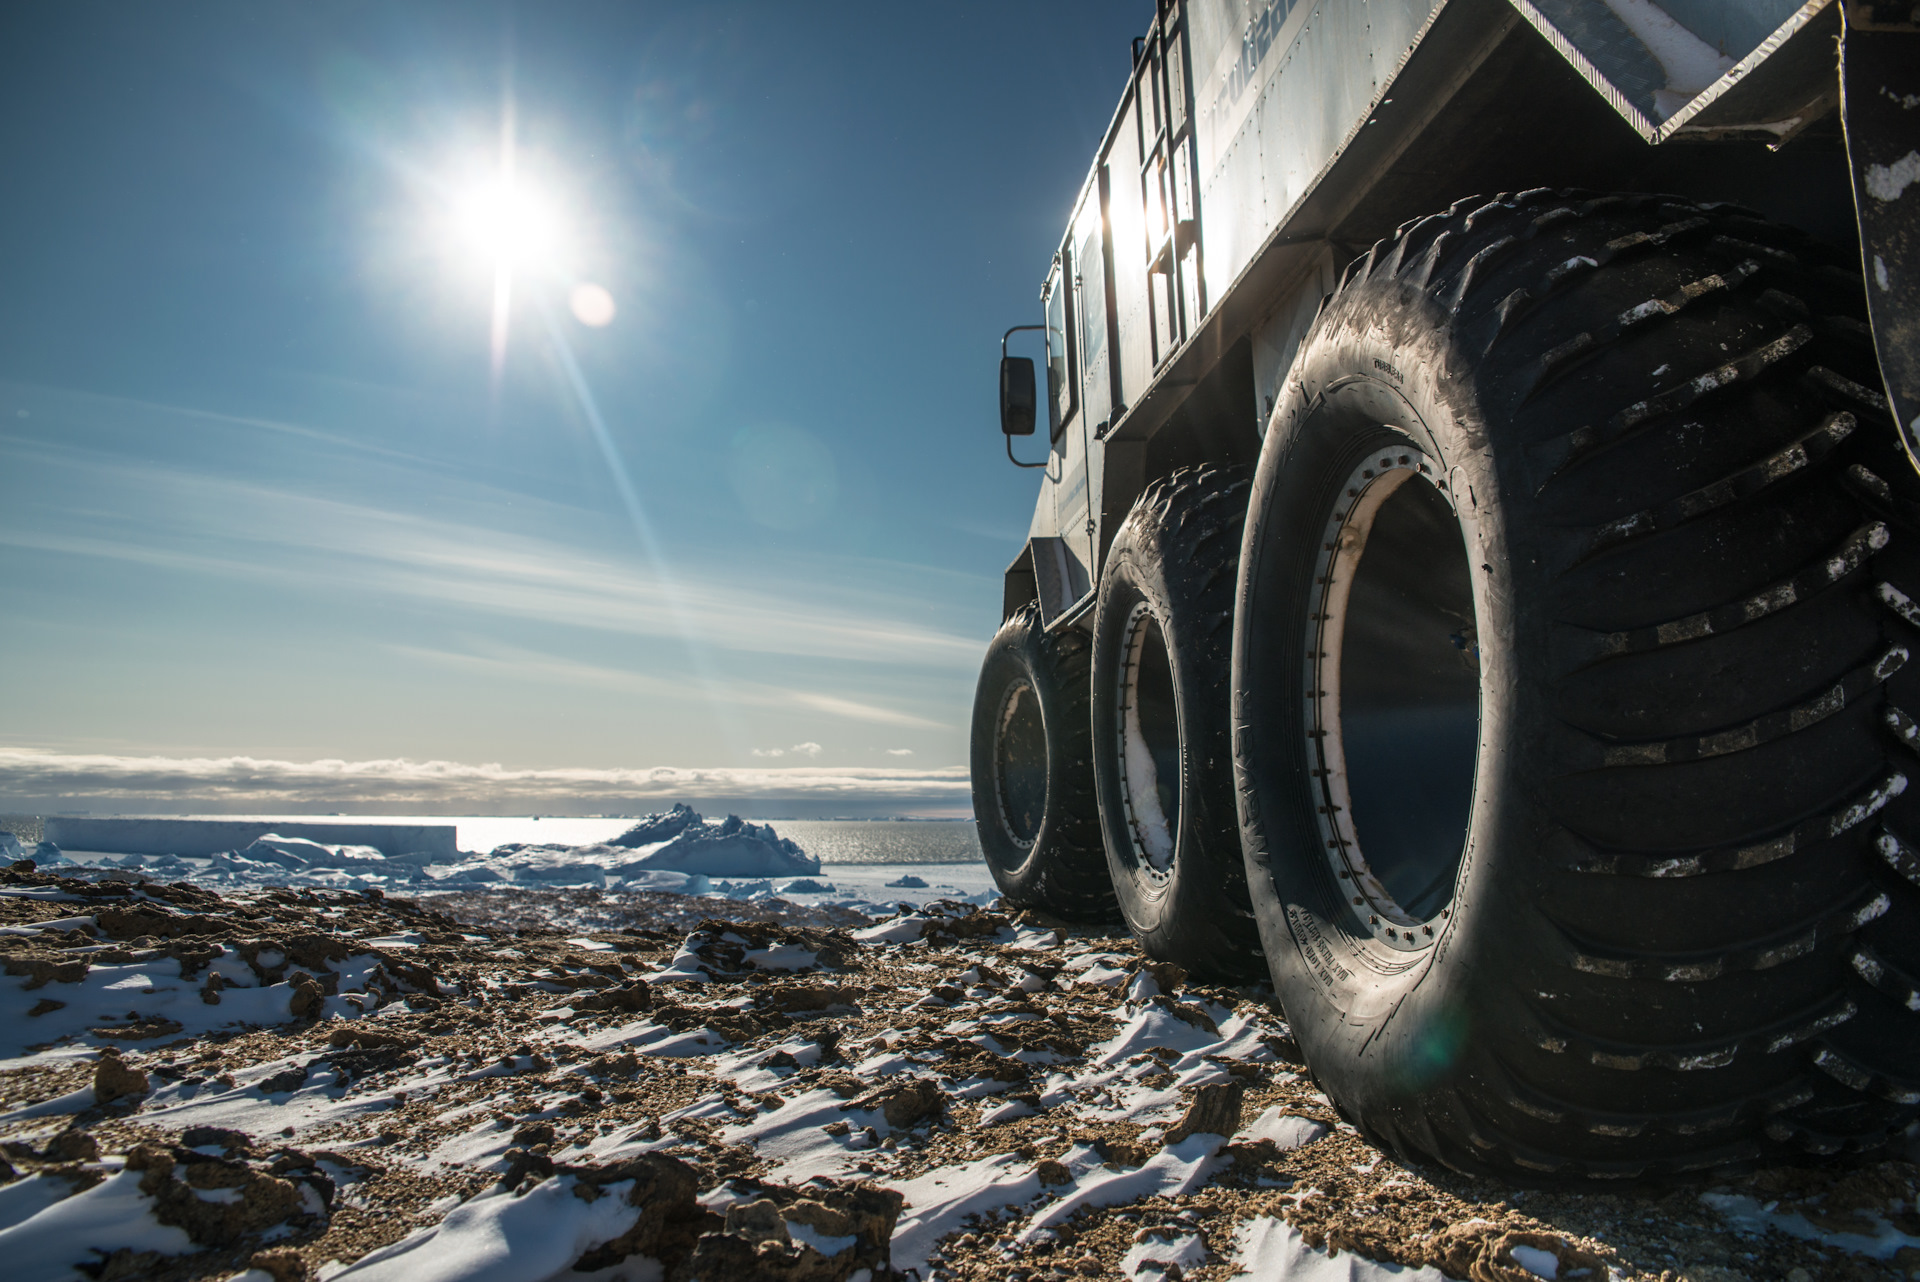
column 1127, row 214
column 1391, row 27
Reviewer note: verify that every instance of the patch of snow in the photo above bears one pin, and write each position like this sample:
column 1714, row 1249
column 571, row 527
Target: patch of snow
column 24, row 1199
column 1174, row 1170
column 795, row 1140
column 1887, row 182
column 1269, row 1247
column 500, row 1237
column 48, row 1246
column 941, row 1201
column 903, row 929
column 1284, row 1129
column 1745, row 1214
column 807, row 1235
column 780, row 957
column 1152, row 1258
column 1542, row 1264
column 102, row 999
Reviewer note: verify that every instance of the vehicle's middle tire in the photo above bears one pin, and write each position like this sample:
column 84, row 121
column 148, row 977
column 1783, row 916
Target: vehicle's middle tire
column 1162, row 753
column 1033, row 798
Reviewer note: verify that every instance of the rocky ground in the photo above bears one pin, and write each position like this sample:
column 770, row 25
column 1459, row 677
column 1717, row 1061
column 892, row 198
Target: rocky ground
column 526, row 1085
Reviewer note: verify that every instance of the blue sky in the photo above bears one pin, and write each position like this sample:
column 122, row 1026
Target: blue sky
column 266, row 500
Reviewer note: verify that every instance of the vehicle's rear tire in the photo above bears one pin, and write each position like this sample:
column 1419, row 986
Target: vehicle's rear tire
column 1162, row 752
column 1033, row 794
column 1561, row 670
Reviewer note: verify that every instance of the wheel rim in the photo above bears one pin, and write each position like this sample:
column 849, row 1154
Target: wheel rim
column 1393, row 675
column 1020, row 763
column 1147, row 727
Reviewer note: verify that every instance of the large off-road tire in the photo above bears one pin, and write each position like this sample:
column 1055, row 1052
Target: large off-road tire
column 1033, row 797
column 1573, row 624
column 1162, row 751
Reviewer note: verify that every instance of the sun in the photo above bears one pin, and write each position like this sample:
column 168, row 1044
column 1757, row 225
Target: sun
column 508, row 224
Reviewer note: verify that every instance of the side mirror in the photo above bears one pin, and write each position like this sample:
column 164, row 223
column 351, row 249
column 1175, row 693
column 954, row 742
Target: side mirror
column 1017, row 397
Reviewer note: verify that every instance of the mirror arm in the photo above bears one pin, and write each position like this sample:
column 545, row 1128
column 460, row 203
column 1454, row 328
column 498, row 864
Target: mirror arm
column 1016, row 462
column 1017, row 329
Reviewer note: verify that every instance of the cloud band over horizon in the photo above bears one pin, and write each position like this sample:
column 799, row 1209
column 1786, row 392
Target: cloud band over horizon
column 33, row 780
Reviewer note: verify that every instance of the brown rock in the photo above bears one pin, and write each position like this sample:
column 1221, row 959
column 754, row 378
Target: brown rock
column 264, row 1200
column 368, row 1039
column 46, row 1006
column 127, row 1265
column 904, row 1102
column 142, row 1029
column 283, row 1265
column 1052, row 1172
column 1122, row 1153
column 630, row 997
column 811, row 997
column 752, row 1249
column 210, row 1136
column 41, row 971
column 308, row 997
column 1214, row 1110
column 1169, row 976
column 736, row 1028
column 113, row 1079
column 757, row 1221
column 131, row 923
column 73, row 1146
column 672, row 1218
column 1483, row 1252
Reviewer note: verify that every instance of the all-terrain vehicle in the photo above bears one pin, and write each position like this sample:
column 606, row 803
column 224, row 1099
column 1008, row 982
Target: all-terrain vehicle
column 1476, row 573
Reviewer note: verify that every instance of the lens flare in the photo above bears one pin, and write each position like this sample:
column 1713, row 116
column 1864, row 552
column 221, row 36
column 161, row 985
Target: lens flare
column 592, row 305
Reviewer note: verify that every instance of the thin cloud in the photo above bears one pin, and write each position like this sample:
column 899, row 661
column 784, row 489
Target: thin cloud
column 863, row 711
column 219, row 527
column 899, row 752
column 106, row 781
column 505, row 663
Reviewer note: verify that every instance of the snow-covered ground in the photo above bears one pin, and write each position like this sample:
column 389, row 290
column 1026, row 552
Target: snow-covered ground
column 271, row 1084
column 689, row 1048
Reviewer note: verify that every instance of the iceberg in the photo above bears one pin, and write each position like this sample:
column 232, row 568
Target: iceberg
column 660, row 827
column 731, row 848
column 47, row 855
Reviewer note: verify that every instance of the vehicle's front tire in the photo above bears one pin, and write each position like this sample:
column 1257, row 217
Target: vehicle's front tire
column 1033, row 794
column 1163, row 757
column 1560, row 670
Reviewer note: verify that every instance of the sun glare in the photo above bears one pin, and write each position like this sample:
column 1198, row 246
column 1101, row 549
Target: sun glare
column 508, row 225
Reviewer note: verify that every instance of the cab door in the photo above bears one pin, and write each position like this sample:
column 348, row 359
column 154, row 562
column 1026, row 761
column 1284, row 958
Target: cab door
column 1085, row 289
